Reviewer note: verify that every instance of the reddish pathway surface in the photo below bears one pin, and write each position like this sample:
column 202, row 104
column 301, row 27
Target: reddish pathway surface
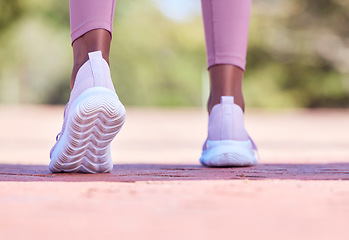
column 157, row 190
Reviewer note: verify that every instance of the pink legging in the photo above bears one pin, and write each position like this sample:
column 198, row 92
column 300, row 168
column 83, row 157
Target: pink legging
column 225, row 21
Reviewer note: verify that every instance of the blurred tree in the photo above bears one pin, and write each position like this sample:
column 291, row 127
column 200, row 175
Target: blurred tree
column 154, row 60
column 298, row 54
column 10, row 10
column 34, row 49
column 297, row 57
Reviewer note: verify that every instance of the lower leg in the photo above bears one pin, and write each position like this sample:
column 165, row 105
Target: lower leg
column 95, row 40
column 226, row 30
column 225, row 80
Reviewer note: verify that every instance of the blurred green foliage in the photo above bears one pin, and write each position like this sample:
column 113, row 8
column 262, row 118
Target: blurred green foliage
column 298, row 54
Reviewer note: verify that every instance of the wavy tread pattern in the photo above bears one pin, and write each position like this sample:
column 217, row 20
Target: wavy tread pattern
column 90, row 128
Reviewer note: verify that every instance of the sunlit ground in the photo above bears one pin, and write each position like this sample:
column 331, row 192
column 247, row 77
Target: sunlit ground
column 158, row 190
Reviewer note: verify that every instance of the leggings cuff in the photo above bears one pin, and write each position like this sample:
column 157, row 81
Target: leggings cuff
column 88, row 26
column 229, row 60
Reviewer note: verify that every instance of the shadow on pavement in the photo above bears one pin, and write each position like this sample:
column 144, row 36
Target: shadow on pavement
column 180, row 172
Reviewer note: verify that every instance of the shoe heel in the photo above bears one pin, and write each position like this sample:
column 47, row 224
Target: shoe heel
column 228, row 153
column 94, row 120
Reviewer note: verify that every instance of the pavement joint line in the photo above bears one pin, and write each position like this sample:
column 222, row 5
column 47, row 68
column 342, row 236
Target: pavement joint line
column 27, row 175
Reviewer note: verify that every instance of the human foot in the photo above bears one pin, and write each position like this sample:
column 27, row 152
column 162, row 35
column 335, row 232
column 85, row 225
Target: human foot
column 228, row 144
column 92, row 118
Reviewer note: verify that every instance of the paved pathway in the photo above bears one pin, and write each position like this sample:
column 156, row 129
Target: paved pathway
column 157, row 190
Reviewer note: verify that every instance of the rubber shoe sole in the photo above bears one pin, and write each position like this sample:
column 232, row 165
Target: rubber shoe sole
column 228, row 153
column 94, row 119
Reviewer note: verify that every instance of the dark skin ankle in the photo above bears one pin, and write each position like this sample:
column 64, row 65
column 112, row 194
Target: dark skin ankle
column 225, row 80
column 95, row 40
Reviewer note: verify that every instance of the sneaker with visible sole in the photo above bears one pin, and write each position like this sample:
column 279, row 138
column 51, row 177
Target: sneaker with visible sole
column 92, row 118
column 228, row 143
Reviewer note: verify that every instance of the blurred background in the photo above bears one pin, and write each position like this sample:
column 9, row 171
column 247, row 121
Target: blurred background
column 298, row 53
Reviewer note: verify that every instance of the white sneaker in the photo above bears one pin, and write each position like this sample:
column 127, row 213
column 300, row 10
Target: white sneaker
column 228, row 143
column 92, row 118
